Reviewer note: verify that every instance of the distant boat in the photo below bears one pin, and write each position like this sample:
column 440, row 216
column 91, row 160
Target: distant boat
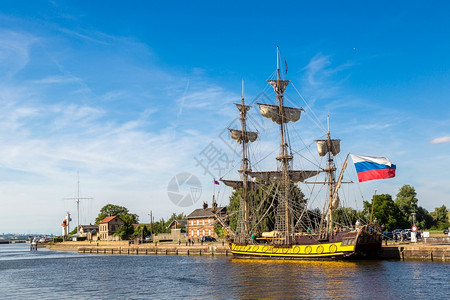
column 298, row 233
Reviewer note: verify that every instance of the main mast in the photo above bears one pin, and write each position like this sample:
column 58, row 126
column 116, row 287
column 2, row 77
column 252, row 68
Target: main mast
column 284, row 158
column 280, row 114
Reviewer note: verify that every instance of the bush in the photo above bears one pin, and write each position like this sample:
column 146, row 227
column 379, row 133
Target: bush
column 58, row 239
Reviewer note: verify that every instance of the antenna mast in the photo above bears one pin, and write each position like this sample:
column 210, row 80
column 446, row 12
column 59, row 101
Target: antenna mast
column 77, row 200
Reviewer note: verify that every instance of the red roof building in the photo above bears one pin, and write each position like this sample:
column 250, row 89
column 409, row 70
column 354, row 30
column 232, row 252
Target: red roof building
column 108, row 226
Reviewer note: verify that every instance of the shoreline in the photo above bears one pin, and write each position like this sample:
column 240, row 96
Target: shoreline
column 399, row 251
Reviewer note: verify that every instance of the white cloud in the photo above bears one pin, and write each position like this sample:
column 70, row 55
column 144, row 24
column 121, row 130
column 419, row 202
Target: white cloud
column 440, row 140
column 14, row 51
column 123, row 143
column 56, row 80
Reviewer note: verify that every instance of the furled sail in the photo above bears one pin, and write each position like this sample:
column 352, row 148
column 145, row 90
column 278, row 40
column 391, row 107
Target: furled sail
column 291, row 114
column 250, row 136
column 279, row 85
column 323, row 147
column 295, row 176
column 238, row 184
column 240, row 107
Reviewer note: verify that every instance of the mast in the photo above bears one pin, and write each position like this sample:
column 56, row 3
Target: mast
column 331, row 181
column 280, row 114
column 77, row 200
column 330, row 147
column 243, row 137
column 243, row 117
column 283, row 158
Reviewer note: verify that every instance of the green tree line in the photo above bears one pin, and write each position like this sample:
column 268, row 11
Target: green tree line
column 388, row 212
column 131, row 228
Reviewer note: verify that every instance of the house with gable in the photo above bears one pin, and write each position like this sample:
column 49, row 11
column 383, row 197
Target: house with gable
column 201, row 221
column 108, row 226
column 88, row 231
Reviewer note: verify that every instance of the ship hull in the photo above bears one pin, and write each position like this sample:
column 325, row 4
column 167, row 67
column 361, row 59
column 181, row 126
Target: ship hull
column 364, row 244
column 313, row 251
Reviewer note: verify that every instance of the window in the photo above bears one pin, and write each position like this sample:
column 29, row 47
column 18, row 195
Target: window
column 192, row 231
column 209, row 232
column 198, row 232
column 198, row 222
column 203, row 222
column 203, row 232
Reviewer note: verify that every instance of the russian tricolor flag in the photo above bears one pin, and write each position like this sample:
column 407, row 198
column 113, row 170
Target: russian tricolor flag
column 216, row 182
column 371, row 167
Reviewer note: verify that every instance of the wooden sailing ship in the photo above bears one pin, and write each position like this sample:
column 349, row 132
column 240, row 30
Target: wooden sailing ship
column 294, row 235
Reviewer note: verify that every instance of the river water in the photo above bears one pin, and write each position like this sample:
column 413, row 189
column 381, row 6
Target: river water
column 45, row 274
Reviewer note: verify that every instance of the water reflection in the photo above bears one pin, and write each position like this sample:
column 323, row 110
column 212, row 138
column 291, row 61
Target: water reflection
column 25, row 274
column 303, row 279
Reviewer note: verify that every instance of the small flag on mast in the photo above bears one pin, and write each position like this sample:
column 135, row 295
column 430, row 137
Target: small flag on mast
column 372, row 167
column 216, row 182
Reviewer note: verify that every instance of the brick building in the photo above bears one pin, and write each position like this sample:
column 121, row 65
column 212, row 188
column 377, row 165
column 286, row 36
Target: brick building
column 201, row 222
column 108, row 226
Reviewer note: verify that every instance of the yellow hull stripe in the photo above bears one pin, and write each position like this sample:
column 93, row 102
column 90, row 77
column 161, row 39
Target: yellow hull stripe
column 317, row 250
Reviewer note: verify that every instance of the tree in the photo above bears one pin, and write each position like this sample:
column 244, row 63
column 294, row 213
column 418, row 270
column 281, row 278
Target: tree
column 125, row 230
column 440, row 217
column 347, row 215
column 220, row 231
column 424, row 219
column 407, row 202
column 141, row 230
column 116, row 210
column 174, row 216
column 233, row 209
column 386, row 212
column 160, row 226
column 262, row 204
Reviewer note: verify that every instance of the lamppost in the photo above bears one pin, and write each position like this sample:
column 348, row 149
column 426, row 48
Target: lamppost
column 414, row 228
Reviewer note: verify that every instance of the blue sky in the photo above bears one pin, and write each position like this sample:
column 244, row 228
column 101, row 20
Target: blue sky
column 131, row 95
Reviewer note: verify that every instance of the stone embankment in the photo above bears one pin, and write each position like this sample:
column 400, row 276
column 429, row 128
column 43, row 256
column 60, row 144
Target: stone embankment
column 143, row 249
column 417, row 252
column 436, row 249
